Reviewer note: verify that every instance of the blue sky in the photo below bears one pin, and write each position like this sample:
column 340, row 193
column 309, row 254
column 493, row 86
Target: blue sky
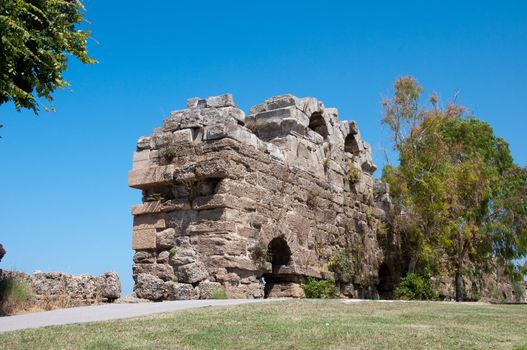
column 65, row 201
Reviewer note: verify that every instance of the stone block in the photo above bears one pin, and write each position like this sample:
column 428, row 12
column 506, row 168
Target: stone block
column 183, row 119
column 258, row 108
column 284, row 290
column 162, row 271
column 232, row 262
column 148, row 177
column 195, row 102
column 216, row 131
column 166, row 239
column 181, row 291
column 145, row 257
column 140, row 156
column 224, row 100
column 183, row 256
column 150, row 287
column 275, row 152
column 210, row 225
column 282, row 101
column 144, row 239
column 218, row 245
column 192, row 273
column 147, row 208
column 149, row 221
column 207, row 289
column 143, row 143
column 172, row 123
column 110, row 286
column 182, row 136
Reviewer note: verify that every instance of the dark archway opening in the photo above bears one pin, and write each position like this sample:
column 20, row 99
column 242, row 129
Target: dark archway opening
column 351, row 145
column 318, row 124
column 280, row 255
column 386, row 283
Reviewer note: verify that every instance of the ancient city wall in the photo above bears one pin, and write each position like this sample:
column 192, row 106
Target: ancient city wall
column 255, row 204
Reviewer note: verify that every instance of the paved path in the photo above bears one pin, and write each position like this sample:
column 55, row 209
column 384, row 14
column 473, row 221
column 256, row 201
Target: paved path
column 108, row 312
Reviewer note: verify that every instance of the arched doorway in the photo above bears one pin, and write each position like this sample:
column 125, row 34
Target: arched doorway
column 280, row 255
column 386, row 285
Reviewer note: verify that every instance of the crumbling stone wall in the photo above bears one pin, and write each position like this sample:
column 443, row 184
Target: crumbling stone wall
column 255, row 204
column 57, row 289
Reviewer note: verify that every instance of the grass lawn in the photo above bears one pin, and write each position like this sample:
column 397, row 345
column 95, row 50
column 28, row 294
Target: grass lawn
column 297, row 324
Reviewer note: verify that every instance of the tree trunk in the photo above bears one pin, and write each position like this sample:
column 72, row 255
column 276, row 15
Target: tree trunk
column 459, row 287
column 412, row 264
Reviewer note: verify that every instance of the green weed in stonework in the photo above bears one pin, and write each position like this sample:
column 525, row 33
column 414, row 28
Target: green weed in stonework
column 219, row 294
column 353, row 175
column 168, row 153
column 339, row 262
column 154, row 197
column 170, row 150
column 319, row 289
column 369, row 215
column 260, row 254
column 173, row 251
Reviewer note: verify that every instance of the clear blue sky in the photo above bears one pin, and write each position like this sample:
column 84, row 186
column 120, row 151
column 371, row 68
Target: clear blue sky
column 65, row 202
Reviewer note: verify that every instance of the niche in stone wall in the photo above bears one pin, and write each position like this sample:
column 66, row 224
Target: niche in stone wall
column 279, row 252
column 318, row 124
column 193, row 188
column 351, row 145
column 159, row 193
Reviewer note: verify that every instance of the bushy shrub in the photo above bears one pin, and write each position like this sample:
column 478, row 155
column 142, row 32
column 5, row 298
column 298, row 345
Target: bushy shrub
column 415, row 287
column 15, row 294
column 518, row 290
column 317, row 289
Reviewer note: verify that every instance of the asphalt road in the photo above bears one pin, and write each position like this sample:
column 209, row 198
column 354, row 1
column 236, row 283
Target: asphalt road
column 108, row 312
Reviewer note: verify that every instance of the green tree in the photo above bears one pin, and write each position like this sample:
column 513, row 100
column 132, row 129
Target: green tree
column 461, row 196
column 37, row 36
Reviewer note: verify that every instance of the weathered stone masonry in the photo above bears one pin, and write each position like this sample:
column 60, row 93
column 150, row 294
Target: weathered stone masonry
column 254, row 204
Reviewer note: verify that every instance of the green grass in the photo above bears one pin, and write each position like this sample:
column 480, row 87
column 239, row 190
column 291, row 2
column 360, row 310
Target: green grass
column 297, row 324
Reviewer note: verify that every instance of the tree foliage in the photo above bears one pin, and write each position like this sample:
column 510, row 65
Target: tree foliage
column 461, row 195
column 37, row 37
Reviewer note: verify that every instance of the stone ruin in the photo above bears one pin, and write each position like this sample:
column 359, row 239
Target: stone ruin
column 253, row 205
column 58, row 290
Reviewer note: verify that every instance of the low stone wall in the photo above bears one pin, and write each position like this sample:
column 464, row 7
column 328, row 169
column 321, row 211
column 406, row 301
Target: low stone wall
column 59, row 290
